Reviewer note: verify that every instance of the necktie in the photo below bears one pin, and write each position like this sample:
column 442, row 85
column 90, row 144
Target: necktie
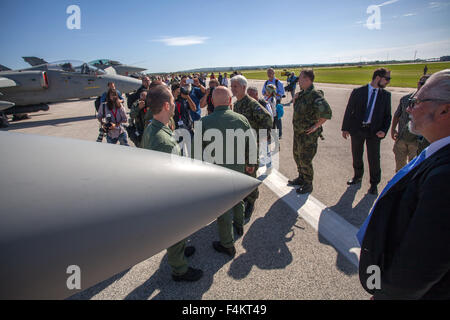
column 369, row 106
column 403, row 172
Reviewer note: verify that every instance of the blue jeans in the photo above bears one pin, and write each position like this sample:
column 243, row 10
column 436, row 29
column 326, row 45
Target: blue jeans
column 277, row 125
column 122, row 138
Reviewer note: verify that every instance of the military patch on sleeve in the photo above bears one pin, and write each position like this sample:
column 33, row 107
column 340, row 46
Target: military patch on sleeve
column 319, row 102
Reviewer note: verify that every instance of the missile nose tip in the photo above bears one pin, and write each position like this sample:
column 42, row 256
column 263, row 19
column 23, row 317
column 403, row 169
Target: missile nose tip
column 244, row 184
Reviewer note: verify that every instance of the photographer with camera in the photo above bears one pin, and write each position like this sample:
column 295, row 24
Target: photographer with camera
column 133, row 97
column 111, row 115
column 137, row 116
column 292, row 85
column 207, row 98
column 191, row 91
column 182, row 116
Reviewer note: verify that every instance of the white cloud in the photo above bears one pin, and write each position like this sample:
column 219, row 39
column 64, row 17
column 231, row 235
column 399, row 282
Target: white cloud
column 436, row 4
column 182, row 41
column 388, row 2
column 410, row 14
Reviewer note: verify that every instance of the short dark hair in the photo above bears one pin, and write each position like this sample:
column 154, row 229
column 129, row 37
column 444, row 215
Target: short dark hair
column 156, row 98
column 380, row 72
column 309, row 73
column 175, row 86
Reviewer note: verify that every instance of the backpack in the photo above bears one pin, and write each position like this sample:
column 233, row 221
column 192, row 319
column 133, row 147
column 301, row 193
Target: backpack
column 97, row 103
column 276, row 83
column 280, row 111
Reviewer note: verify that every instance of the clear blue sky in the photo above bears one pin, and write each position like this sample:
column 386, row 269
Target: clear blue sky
column 222, row 33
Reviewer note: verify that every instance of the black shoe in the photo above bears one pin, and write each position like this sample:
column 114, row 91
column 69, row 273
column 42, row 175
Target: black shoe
column 191, row 275
column 307, row 188
column 239, row 230
column 189, row 251
column 249, row 210
column 296, row 182
column 373, row 189
column 354, row 180
column 220, row 248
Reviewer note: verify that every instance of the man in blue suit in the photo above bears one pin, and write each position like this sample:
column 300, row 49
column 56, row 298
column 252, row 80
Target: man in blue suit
column 407, row 234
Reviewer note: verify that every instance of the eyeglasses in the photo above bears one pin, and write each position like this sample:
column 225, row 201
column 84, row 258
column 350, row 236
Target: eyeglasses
column 387, row 78
column 413, row 101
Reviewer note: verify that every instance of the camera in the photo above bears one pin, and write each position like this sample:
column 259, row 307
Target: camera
column 186, row 90
column 104, row 128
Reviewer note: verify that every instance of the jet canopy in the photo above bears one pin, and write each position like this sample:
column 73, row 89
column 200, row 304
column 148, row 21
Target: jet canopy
column 104, row 63
column 75, row 66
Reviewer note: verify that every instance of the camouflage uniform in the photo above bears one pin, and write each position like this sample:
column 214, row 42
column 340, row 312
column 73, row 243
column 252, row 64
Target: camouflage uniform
column 407, row 143
column 138, row 116
column 222, row 119
column 159, row 137
column 259, row 118
column 309, row 107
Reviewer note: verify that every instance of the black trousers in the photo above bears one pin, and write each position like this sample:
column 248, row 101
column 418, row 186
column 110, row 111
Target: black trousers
column 373, row 154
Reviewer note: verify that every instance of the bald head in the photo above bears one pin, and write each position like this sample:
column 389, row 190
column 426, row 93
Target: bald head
column 221, row 96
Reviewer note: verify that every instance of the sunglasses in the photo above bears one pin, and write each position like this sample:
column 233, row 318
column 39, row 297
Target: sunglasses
column 387, row 78
column 413, row 101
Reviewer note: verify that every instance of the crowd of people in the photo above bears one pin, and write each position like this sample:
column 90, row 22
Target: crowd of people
column 420, row 123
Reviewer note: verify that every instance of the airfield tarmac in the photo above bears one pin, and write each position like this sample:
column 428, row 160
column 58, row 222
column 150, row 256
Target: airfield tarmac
column 284, row 253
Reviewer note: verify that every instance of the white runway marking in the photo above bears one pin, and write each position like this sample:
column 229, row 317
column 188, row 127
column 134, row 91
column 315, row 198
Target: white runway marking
column 334, row 228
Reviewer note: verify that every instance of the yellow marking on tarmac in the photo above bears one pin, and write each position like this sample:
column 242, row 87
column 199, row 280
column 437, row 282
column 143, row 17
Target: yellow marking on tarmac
column 85, row 88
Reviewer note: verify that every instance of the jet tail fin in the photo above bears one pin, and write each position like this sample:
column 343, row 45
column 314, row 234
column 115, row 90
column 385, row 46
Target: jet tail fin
column 34, row 61
column 3, row 68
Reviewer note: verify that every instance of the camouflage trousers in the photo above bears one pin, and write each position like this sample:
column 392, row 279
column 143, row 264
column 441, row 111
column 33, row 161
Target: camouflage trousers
column 404, row 152
column 304, row 150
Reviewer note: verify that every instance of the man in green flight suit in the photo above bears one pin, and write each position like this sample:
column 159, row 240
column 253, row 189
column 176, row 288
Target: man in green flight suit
column 311, row 110
column 258, row 117
column 158, row 137
column 222, row 120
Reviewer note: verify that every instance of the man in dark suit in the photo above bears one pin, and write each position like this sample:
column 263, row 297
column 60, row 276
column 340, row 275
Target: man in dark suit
column 367, row 119
column 407, row 234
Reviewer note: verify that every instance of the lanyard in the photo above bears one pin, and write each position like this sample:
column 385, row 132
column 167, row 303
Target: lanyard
column 115, row 114
column 179, row 110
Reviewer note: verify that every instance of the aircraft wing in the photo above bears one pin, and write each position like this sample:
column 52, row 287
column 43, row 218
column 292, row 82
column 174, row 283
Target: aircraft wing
column 34, row 61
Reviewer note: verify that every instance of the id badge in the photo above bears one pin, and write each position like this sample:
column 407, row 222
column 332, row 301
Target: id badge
column 180, row 123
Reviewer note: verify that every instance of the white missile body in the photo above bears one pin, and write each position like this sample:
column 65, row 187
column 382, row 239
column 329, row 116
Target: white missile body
column 101, row 207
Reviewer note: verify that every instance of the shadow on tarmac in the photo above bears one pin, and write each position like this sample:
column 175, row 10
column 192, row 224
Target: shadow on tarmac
column 205, row 258
column 355, row 216
column 53, row 122
column 99, row 287
column 265, row 241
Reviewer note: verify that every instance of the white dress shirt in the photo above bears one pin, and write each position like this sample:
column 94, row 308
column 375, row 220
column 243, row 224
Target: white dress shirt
column 373, row 103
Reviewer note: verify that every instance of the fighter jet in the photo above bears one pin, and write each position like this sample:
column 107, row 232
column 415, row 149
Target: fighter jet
column 30, row 90
column 121, row 69
column 69, row 204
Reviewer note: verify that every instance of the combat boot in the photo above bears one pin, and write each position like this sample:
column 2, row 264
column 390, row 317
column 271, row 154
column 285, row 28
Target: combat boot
column 306, row 188
column 296, row 182
column 220, row 248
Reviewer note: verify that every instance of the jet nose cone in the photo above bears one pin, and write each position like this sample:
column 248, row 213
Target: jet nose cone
column 127, row 84
column 132, row 69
